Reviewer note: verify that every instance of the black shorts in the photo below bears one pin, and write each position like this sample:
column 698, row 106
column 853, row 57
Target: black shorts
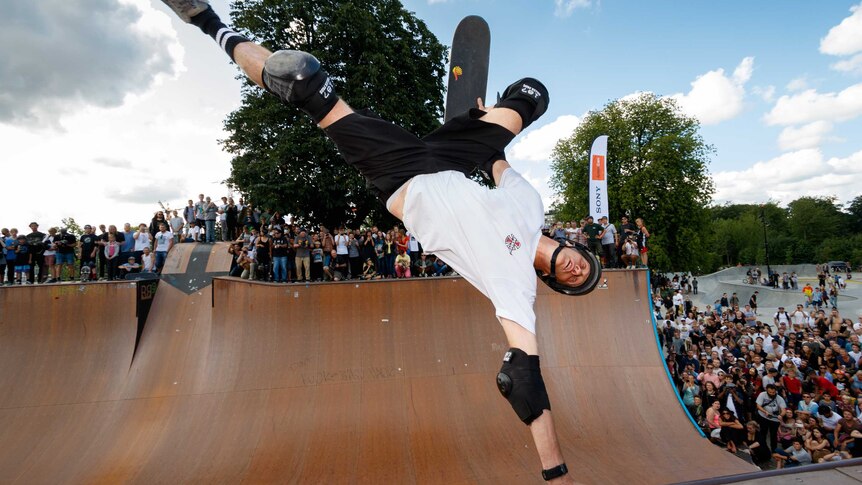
column 388, row 155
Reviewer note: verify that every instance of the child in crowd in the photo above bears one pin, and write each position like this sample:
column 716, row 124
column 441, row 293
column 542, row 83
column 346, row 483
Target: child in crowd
column 402, row 264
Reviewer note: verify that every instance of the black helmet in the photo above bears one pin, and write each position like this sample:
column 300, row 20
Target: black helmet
column 585, row 287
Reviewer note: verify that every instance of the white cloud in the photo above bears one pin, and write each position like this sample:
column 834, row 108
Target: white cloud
column 716, row 97
column 854, row 64
column 789, row 176
column 846, row 37
column 536, row 146
column 809, row 105
column 60, row 56
column 767, row 93
column 797, row 84
column 806, row 136
column 565, row 8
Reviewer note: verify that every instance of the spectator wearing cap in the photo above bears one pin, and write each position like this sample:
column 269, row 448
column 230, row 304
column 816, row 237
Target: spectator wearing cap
column 770, row 406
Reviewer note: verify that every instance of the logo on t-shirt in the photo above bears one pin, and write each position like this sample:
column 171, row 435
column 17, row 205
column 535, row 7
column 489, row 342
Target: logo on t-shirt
column 512, row 243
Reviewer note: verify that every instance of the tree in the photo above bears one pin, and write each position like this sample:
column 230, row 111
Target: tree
column 813, row 219
column 380, row 56
column 854, row 208
column 656, row 170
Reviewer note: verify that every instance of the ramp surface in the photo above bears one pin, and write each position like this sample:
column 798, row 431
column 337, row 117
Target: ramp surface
column 374, row 382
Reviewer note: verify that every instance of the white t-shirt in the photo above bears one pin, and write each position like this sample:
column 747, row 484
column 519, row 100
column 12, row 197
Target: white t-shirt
column 489, row 236
column 341, row 244
column 163, row 240
column 147, row 262
column 194, row 233
column 142, row 241
column 222, row 216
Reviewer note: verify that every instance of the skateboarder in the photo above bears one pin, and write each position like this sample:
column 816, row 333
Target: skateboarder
column 492, row 237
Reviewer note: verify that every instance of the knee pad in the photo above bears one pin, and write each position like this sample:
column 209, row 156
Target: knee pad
column 520, row 382
column 528, row 97
column 297, row 79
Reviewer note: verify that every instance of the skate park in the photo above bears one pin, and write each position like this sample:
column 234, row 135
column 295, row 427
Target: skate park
column 235, row 381
column 732, row 280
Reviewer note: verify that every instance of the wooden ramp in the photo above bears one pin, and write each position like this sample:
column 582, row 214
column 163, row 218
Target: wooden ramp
column 375, row 382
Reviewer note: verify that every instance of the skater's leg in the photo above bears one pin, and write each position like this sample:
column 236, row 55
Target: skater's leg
column 542, row 428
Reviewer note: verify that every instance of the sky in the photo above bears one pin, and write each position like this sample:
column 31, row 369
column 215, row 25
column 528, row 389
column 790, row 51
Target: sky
column 108, row 107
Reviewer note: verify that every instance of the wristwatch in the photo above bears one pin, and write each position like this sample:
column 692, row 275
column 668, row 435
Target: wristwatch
column 555, row 472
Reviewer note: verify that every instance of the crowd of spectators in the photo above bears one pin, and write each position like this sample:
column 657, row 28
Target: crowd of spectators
column 285, row 253
column 626, row 247
column 784, row 389
column 109, row 254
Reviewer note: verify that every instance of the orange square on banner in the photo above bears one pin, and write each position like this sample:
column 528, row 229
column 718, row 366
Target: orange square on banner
column 598, row 169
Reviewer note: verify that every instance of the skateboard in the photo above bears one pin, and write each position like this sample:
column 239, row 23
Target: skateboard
column 468, row 66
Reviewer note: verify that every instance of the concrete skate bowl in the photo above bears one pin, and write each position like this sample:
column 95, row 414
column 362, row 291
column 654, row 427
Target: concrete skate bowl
column 730, row 280
column 375, row 382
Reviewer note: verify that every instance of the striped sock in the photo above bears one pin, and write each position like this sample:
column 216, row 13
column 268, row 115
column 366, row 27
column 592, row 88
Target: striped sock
column 210, row 23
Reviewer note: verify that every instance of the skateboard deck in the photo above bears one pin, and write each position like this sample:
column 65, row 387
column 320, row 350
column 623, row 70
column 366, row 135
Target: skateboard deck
column 468, row 66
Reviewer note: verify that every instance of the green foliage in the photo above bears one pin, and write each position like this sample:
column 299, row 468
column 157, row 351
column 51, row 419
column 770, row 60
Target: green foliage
column 379, row 55
column 809, row 230
column 657, row 170
column 72, row 226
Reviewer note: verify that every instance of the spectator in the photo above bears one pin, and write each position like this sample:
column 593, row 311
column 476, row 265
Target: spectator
column 755, row 441
column 142, row 240
column 770, row 406
column 247, row 262
column 353, row 256
column 148, row 262
column 279, row 256
column 610, row 242
column 164, row 241
column 35, row 240
column 317, row 262
column 593, row 232
column 643, row 236
column 200, row 209
column 193, row 234
column 189, row 212
column 369, row 271
column 440, row 267
column 423, row 266
column 817, row 445
column 792, row 456
column 49, row 256
column 231, row 219
column 221, row 211
column 10, row 238
column 731, row 430
column 112, row 256
column 176, row 226
column 128, row 246
column 339, row 268
column 66, row 253
column 23, row 258
column 130, row 266
column 630, row 253
column 89, row 247
column 158, row 219
column 263, row 255
column 402, row 265
column 210, row 216
column 302, row 246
